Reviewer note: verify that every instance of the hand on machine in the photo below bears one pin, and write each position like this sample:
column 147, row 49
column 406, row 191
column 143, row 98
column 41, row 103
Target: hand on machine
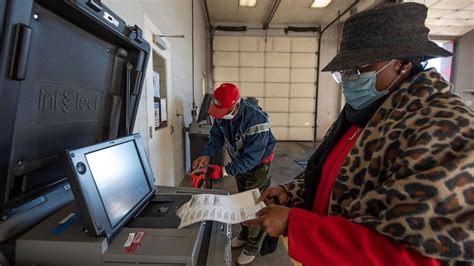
column 204, row 177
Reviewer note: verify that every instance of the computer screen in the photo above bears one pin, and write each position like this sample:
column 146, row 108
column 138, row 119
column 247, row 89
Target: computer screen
column 120, row 179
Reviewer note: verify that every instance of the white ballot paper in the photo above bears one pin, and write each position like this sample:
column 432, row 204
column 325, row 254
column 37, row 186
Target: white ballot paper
column 230, row 209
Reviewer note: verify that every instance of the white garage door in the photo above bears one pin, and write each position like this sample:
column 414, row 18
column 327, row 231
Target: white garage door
column 280, row 72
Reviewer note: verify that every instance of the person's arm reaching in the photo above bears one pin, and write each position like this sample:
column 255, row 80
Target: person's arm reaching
column 333, row 240
column 216, row 141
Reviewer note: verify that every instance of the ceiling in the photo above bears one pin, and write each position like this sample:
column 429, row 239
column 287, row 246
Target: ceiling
column 289, row 12
column 229, row 11
column 449, row 17
column 445, row 17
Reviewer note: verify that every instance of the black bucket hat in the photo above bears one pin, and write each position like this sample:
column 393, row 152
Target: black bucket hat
column 388, row 31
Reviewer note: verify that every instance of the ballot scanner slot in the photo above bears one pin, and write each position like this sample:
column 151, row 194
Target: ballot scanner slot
column 160, row 212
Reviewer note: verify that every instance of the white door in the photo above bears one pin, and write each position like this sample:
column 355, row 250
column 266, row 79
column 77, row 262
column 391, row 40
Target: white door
column 160, row 140
column 279, row 71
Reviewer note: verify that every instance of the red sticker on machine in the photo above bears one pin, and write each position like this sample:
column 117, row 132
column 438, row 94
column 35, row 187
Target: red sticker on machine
column 133, row 245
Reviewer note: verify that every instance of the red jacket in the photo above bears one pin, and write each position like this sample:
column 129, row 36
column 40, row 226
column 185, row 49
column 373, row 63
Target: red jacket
column 314, row 238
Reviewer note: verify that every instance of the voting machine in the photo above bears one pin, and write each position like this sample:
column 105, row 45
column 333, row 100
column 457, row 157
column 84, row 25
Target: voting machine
column 72, row 73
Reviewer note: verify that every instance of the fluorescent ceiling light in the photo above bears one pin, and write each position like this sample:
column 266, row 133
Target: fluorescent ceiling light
column 320, row 3
column 248, row 3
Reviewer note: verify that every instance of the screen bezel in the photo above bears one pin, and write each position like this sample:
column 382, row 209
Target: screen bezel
column 87, row 194
column 101, row 195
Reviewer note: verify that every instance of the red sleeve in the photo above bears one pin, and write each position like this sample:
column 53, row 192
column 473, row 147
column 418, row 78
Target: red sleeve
column 333, row 240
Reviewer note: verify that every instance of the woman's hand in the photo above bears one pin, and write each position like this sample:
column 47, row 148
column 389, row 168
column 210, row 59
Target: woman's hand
column 273, row 219
column 270, row 193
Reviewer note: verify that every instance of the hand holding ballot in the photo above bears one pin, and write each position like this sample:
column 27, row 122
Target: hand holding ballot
column 232, row 209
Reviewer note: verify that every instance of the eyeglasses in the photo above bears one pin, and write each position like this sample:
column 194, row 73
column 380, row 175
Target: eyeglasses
column 354, row 74
column 348, row 74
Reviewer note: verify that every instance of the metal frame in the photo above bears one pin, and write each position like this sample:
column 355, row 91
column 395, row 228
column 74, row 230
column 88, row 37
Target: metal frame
column 87, row 195
column 270, row 15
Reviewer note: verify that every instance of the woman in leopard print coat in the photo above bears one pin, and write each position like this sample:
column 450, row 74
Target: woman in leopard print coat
column 392, row 183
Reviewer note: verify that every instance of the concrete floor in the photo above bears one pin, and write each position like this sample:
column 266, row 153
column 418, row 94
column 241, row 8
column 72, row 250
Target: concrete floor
column 283, row 169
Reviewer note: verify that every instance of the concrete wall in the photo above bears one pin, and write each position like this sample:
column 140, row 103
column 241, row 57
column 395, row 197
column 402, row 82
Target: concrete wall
column 464, row 69
column 167, row 147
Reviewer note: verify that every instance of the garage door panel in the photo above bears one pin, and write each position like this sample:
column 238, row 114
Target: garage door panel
column 302, row 90
column 254, row 89
column 251, row 74
column 277, row 60
column 226, row 43
column 277, row 89
column 279, row 119
column 303, row 75
column 301, row 105
column 303, row 60
column 226, row 59
column 307, row 45
column 251, row 59
column 300, row 133
column 280, row 133
column 276, row 104
column 301, row 119
column 277, row 44
column 279, row 72
column 226, row 74
column 251, row 44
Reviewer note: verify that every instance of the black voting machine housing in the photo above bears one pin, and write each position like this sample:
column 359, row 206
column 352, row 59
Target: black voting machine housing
column 71, row 76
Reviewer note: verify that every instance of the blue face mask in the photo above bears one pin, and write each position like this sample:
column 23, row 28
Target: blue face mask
column 361, row 92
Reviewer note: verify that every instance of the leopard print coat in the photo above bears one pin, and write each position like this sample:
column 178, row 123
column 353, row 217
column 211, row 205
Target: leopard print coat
column 410, row 176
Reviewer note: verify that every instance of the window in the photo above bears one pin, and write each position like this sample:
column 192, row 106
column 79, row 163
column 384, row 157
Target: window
column 443, row 64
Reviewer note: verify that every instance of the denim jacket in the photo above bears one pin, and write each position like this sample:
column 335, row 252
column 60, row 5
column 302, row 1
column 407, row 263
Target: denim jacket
column 247, row 138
